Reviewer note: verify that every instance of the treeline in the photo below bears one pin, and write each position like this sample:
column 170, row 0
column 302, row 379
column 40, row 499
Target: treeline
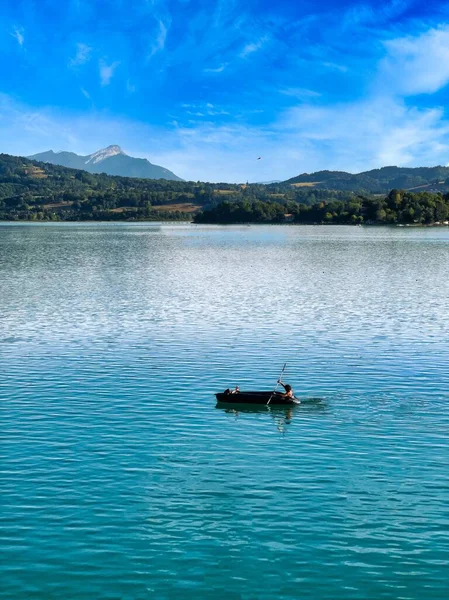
column 399, row 207
column 31, row 190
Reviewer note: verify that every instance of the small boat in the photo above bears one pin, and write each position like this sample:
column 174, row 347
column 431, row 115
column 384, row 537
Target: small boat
column 269, row 397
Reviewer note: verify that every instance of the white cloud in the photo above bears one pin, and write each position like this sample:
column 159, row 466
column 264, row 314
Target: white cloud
column 416, row 65
column 38, row 127
column 158, row 43
column 202, row 110
column 18, row 33
column 130, row 87
column 82, row 55
column 369, row 134
column 366, row 14
column 301, row 93
column 107, row 71
column 85, row 93
column 334, row 66
column 219, row 69
column 253, row 47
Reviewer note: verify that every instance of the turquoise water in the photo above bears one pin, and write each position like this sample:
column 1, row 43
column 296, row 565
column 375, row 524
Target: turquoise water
column 120, row 479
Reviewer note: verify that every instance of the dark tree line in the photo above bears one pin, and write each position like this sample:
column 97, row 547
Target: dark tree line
column 399, row 207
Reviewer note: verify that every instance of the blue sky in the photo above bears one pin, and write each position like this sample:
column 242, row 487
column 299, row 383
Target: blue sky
column 205, row 87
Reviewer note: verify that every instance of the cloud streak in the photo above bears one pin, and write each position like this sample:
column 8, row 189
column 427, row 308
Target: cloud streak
column 158, row 44
column 218, row 69
column 107, row 72
column 253, row 47
column 19, row 34
column 82, row 55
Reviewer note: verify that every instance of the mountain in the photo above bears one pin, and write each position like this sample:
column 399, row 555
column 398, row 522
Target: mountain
column 377, row 180
column 111, row 160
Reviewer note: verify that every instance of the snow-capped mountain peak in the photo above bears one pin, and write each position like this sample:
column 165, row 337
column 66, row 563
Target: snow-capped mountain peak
column 104, row 153
column 111, row 160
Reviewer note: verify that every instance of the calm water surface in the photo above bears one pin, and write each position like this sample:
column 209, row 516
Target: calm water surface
column 120, row 479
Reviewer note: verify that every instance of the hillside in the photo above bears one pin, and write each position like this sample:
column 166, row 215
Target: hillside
column 111, row 160
column 377, row 180
column 32, row 190
column 35, row 190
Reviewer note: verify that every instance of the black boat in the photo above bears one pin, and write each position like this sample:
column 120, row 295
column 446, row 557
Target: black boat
column 269, row 397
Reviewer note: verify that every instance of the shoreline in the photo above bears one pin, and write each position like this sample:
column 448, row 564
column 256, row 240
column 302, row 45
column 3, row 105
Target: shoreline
column 239, row 223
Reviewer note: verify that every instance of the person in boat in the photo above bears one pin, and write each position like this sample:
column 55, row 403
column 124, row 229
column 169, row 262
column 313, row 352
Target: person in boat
column 236, row 390
column 288, row 390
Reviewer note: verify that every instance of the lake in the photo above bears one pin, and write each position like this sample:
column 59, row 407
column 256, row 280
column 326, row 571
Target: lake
column 120, row 479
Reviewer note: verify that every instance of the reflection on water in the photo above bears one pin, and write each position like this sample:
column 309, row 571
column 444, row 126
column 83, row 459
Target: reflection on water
column 281, row 415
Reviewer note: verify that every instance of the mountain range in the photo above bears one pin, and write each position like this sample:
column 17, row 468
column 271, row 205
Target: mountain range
column 111, row 160
column 377, row 180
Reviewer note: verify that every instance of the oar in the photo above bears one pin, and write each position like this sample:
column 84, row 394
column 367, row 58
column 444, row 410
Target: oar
column 277, row 383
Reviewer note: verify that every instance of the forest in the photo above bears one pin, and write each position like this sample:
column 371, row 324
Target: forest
column 398, row 207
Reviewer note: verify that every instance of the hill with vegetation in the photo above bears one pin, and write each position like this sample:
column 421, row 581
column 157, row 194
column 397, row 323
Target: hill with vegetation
column 33, row 190
column 378, row 180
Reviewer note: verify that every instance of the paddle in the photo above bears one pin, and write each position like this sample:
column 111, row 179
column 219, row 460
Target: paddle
column 277, row 383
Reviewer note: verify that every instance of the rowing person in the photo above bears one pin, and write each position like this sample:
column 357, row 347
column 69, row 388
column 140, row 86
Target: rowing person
column 288, row 390
column 236, row 390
